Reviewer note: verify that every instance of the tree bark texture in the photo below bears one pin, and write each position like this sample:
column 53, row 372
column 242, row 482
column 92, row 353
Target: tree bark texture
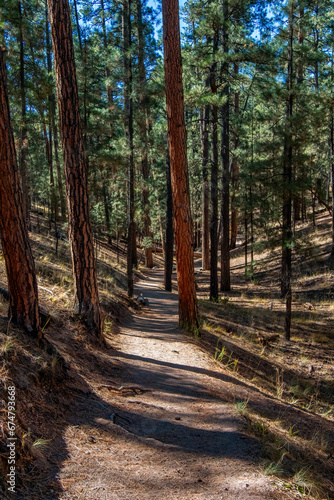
column 205, row 116
column 143, row 134
column 225, row 154
column 22, row 283
column 331, row 140
column 235, row 174
column 214, row 180
column 169, row 252
column 128, row 109
column 179, row 168
column 53, row 133
column 332, row 167
column 287, row 196
column 24, row 133
column 80, row 233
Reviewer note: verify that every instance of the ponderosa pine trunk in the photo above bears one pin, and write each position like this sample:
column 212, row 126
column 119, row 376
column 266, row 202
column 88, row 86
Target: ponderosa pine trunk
column 57, row 161
column 49, row 136
column 128, row 109
column 235, row 174
column 106, row 209
column 177, row 139
column 80, row 233
column 24, row 133
column 225, row 282
column 214, row 179
column 22, row 283
column 143, row 134
column 205, row 116
column 77, row 24
column 53, row 132
column 48, row 155
column 332, row 162
column 169, row 251
column 287, row 196
column 299, row 175
column 332, row 144
column 107, row 69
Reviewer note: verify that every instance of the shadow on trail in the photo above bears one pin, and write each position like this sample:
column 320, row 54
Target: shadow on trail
column 156, row 379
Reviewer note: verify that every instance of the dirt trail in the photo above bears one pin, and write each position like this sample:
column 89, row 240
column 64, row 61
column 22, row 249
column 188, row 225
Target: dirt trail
column 178, row 437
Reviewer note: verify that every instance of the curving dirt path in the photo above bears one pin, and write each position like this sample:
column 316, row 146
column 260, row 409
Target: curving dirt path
column 173, row 435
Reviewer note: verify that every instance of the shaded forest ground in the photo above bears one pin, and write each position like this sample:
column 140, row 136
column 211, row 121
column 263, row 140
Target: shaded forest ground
column 245, row 329
column 287, row 408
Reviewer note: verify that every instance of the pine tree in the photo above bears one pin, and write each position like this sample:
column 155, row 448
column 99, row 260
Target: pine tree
column 22, row 283
column 81, row 239
column 178, row 162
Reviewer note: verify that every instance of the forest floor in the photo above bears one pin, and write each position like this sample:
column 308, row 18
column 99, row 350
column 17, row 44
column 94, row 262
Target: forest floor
column 230, row 415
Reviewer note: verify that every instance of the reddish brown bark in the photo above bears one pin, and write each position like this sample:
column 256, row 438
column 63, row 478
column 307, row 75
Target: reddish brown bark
column 179, row 168
column 80, row 234
column 22, row 283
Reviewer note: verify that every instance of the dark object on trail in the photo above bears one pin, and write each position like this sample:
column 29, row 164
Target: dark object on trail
column 124, row 389
column 142, row 300
column 60, row 236
column 266, row 340
column 4, row 293
column 45, row 317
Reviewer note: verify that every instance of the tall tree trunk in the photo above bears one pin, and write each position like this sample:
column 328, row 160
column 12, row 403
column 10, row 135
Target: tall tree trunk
column 49, row 141
column 158, row 201
column 110, row 107
column 331, row 141
column 287, row 197
column 61, row 196
column 332, row 159
column 205, row 116
column 22, row 283
column 234, row 212
column 48, row 155
column 225, row 153
column 80, row 233
column 77, row 24
column 53, row 129
column 128, row 108
column 179, row 168
column 214, row 180
column 24, row 133
column 332, row 165
column 299, row 175
column 246, row 242
column 235, row 174
column 143, row 133
column 169, row 252
column 106, row 209
column 110, row 96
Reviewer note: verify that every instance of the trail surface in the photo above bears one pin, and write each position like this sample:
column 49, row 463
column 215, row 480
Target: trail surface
column 173, row 434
